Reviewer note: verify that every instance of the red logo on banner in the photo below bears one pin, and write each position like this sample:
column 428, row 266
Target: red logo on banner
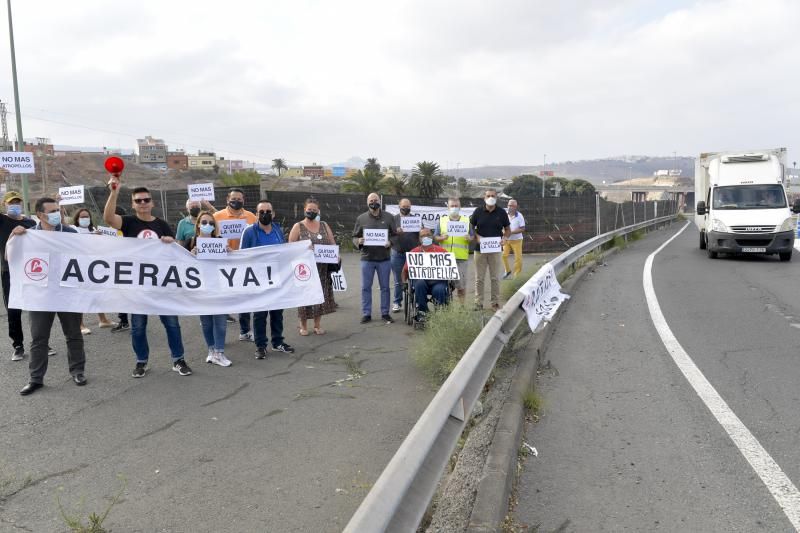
column 302, row 272
column 36, row 269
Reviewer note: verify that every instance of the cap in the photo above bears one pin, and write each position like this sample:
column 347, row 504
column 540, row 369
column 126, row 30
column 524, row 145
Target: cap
column 11, row 195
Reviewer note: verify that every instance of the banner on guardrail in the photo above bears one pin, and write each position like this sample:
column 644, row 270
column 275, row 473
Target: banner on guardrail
column 542, row 296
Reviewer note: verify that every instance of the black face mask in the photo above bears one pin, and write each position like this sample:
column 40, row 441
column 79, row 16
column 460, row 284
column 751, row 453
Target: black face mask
column 265, row 218
column 236, row 204
column 405, row 210
column 374, row 205
column 194, row 211
column 311, row 215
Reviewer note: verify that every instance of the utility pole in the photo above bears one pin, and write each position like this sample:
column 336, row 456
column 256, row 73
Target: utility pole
column 20, row 139
column 544, row 169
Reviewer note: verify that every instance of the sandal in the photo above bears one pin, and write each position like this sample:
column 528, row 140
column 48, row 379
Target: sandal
column 303, row 332
column 319, row 331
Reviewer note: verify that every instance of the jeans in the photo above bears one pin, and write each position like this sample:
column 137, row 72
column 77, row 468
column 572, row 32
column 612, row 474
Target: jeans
column 423, row 287
column 492, row 263
column 14, row 315
column 368, row 269
column 214, row 327
column 275, row 327
column 41, row 324
column 244, row 323
column 398, row 261
column 514, row 246
column 139, row 337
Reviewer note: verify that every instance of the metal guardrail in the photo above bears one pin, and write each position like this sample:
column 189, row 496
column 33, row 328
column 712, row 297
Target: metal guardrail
column 403, row 491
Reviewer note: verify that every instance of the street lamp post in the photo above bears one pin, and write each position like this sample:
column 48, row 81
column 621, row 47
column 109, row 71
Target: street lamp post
column 20, row 140
column 544, row 170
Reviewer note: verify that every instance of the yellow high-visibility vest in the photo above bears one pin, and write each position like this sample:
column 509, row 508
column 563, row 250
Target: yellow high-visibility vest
column 458, row 245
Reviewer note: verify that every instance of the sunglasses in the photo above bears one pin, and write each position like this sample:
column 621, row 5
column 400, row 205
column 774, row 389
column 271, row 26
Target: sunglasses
column 207, row 223
column 263, row 212
column 142, row 200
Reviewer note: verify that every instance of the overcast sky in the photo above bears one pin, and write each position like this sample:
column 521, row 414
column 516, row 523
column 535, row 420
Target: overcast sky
column 463, row 81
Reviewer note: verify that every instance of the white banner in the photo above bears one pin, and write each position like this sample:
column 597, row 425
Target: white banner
column 71, row 195
column 232, row 228
column 543, row 296
column 432, row 265
column 201, row 191
column 491, row 245
column 338, row 281
column 326, row 253
column 430, row 215
column 54, row 271
column 17, row 162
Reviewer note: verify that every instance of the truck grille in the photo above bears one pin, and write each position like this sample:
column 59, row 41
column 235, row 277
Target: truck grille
column 753, row 229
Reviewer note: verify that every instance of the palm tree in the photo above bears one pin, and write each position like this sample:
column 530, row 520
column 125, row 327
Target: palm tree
column 279, row 164
column 363, row 182
column 372, row 166
column 426, row 181
column 394, row 185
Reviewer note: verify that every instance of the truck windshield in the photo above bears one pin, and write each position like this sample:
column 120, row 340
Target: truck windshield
column 749, row 197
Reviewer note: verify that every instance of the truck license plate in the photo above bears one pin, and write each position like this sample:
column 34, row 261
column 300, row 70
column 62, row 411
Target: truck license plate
column 754, row 250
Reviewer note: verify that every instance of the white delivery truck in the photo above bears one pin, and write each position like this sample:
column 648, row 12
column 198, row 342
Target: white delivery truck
column 742, row 206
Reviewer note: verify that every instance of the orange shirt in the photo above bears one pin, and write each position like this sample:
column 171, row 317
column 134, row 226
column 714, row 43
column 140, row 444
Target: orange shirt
column 225, row 214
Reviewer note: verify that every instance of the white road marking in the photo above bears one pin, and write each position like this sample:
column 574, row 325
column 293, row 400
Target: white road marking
column 778, row 483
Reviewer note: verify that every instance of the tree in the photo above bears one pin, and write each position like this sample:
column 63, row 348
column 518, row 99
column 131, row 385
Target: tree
column 372, row 166
column 426, row 181
column 279, row 165
column 394, row 185
column 524, row 185
column 363, row 182
column 579, row 187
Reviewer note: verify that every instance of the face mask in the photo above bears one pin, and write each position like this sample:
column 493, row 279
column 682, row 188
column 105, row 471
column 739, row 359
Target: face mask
column 54, row 219
column 194, row 211
column 491, row 201
column 14, row 210
column 374, row 206
column 206, row 229
column 236, row 204
column 317, row 219
column 84, row 222
column 311, row 215
column 405, row 210
column 454, row 211
column 265, row 218
column 427, row 241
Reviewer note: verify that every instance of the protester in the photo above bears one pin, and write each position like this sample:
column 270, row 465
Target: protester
column 213, row 325
column 318, row 233
column 374, row 257
column 235, row 211
column 144, row 225
column 514, row 241
column 8, row 221
column 401, row 244
column 266, row 232
column 489, row 221
column 82, row 223
column 186, row 226
column 458, row 245
column 424, row 287
column 41, row 322
column 122, row 322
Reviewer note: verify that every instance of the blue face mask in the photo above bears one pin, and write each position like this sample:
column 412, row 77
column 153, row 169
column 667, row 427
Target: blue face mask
column 54, row 219
column 206, row 229
column 14, row 210
column 427, row 241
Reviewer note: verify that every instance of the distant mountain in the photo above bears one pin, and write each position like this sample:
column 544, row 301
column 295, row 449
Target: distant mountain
column 594, row 170
column 353, row 162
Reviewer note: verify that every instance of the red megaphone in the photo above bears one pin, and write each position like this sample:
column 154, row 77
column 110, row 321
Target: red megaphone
column 114, row 165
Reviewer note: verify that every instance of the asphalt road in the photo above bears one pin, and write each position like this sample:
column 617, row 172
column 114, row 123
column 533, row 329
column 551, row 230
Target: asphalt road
column 625, row 443
column 290, row 443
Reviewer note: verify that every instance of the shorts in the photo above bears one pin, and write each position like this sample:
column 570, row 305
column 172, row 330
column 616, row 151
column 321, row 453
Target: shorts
column 461, row 283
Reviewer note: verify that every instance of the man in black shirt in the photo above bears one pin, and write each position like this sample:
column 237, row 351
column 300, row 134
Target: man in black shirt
column 13, row 202
column 492, row 225
column 143, row 225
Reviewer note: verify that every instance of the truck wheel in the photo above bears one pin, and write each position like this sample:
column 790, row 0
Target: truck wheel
column 786, row 256
column 711, row 255
column 702, row 240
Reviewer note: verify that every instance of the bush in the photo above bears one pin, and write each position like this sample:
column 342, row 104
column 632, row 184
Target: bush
column 449, row 331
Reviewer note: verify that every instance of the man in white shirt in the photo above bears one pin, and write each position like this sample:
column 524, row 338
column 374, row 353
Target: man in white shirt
column 514, row 242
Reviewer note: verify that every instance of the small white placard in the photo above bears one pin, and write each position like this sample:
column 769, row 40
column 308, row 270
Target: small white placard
column 17, row 162
column 71, row 195
column 232, row 229
column 201, row 191
column 456, row 228
column 326, row 253
column 375, row 237
column 105, row 230
column 432, row 265
column 491, row 245
column 338, row 281
column 211, row 248
column 411, row 224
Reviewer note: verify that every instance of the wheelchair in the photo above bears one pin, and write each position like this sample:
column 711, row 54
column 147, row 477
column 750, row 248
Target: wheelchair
column 412, row 317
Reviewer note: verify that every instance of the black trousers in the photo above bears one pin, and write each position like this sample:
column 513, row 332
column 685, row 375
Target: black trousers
column 14, row 315
column 41, row 324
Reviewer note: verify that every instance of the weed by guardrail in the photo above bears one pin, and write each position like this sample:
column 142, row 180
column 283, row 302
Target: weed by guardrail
column 510, row 286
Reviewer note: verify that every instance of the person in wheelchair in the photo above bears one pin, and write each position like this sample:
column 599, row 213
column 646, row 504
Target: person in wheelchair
column 438, row 289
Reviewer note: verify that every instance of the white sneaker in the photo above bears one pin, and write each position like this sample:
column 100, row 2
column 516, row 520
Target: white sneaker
column 396, row 308
column 246, row 336
column 218, row 358
column 86, row 331
column 210, row 355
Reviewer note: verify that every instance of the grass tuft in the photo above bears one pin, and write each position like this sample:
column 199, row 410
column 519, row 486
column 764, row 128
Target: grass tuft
column 95, row 521
column 510, row 286
column 532, row 400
